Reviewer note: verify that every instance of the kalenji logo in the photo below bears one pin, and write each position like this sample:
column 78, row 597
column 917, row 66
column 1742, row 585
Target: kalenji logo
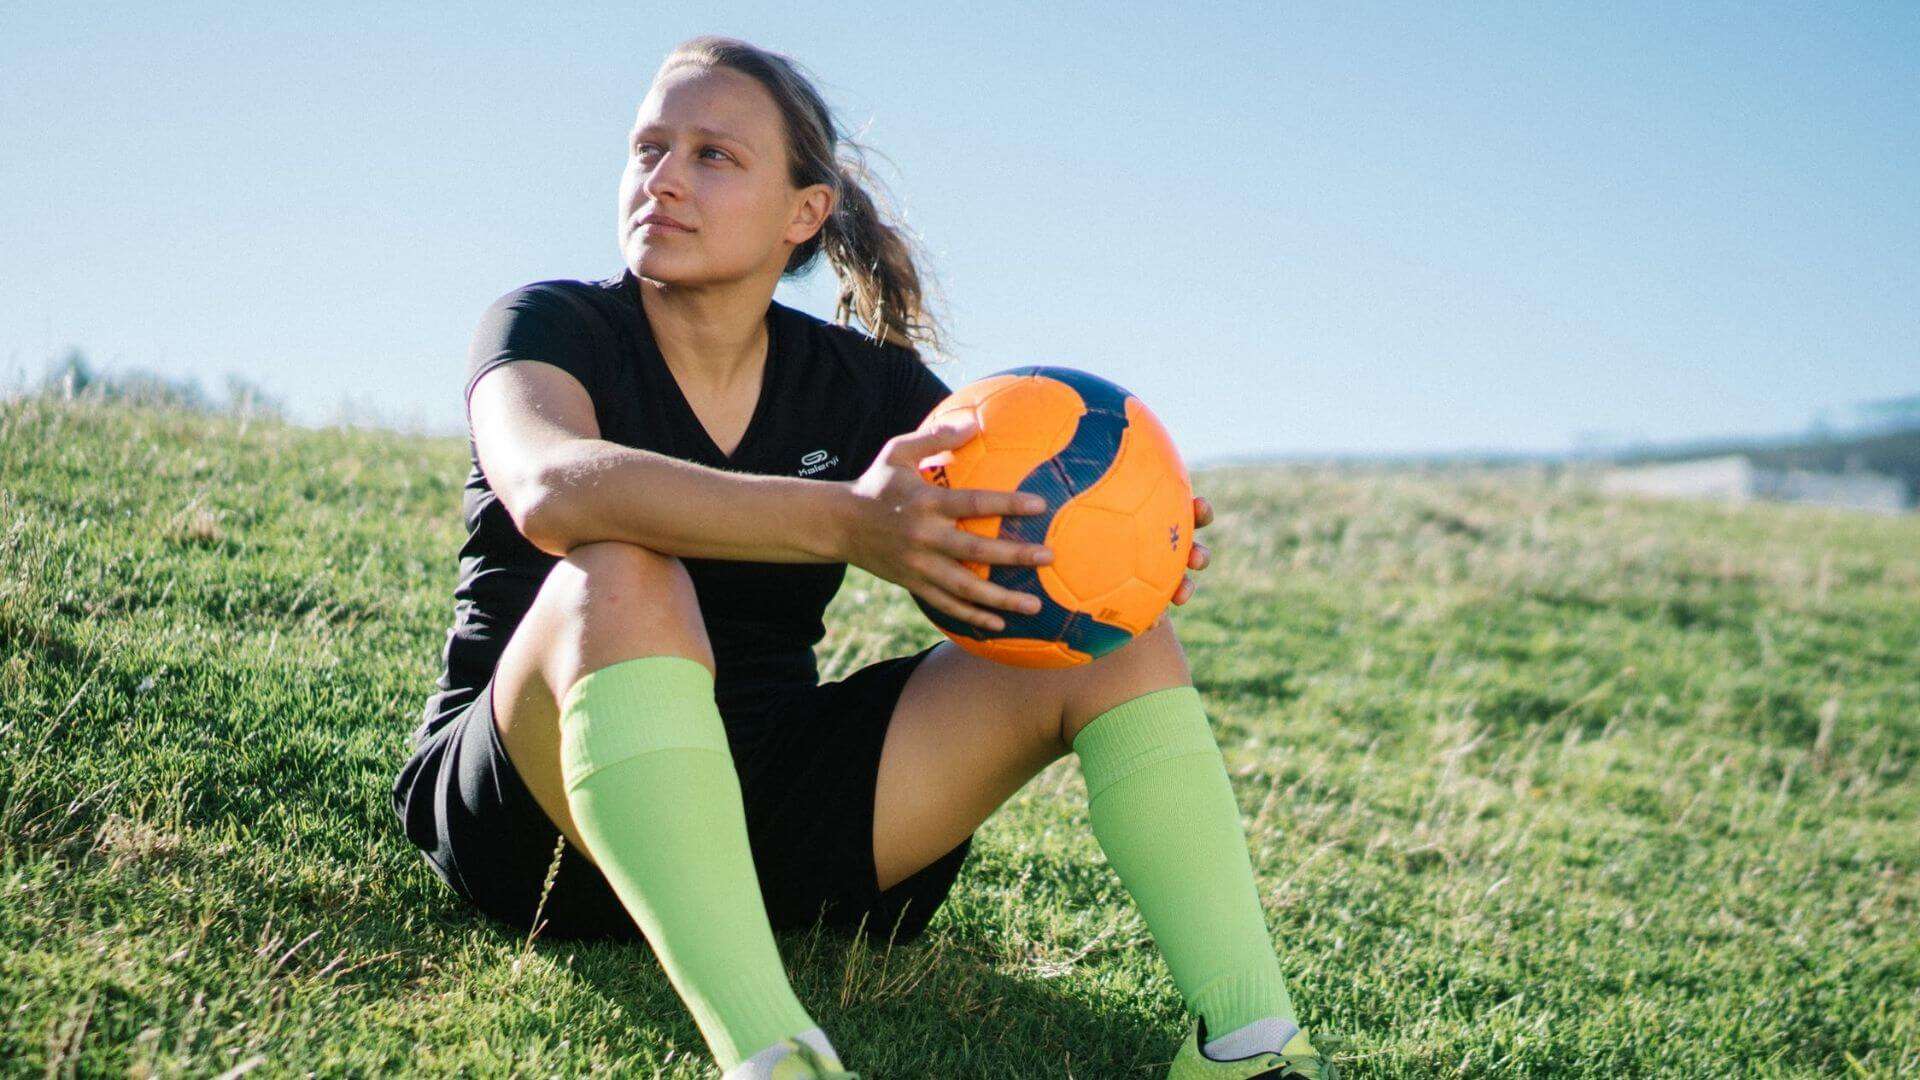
column 816, row 461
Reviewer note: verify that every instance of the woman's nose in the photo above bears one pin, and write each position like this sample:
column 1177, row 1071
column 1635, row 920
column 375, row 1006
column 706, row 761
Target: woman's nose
column 665, row 177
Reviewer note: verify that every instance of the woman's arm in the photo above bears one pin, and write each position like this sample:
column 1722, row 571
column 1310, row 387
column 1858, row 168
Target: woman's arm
column 597, row 490
column 563, row 485
column 540, row 447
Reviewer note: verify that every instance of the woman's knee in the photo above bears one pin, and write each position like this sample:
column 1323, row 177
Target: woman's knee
column 1153, row 661
column 611, row 562
column 614, row 601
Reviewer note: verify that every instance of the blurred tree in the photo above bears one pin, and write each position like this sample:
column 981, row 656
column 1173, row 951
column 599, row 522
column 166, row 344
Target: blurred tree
column 74, row 377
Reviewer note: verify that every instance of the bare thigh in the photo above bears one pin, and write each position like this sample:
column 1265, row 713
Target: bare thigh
column 601, row 604
column 968, row 732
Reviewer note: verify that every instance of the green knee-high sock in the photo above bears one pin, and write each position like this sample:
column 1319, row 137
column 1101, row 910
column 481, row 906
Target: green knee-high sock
column 651, row 783
column 1163, row 811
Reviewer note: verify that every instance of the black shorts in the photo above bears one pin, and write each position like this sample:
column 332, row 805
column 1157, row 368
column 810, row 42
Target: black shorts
column 807, row 778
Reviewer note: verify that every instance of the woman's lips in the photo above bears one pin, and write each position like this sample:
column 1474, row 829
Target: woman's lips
column 659, row 226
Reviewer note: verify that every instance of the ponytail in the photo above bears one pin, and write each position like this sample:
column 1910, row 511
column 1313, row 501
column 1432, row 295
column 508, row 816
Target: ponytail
column 874, row 259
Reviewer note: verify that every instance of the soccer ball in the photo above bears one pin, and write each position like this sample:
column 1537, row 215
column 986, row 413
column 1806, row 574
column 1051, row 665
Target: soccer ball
column 1119, row 514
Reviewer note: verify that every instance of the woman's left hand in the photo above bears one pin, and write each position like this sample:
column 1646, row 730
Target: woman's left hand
column 1201, row 555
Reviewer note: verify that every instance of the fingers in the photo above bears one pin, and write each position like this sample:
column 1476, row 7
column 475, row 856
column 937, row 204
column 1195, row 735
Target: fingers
column 1200, row 557
column 965, row 595
column 969, row 547
column 969, row 587
column 946, row 600
column 1185, row 592
column 908, row 450
column 1202, row 512
column 986, row 502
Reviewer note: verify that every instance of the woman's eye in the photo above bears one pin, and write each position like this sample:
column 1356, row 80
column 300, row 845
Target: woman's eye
column 643, row 149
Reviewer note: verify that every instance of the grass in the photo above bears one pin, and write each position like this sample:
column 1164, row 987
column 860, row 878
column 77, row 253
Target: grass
column 1536, row 784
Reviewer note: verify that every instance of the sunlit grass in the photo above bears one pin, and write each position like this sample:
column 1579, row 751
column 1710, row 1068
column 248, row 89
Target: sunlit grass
column 1536, row 784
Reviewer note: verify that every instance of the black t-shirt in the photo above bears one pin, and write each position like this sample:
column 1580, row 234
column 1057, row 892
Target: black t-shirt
column 829, row 399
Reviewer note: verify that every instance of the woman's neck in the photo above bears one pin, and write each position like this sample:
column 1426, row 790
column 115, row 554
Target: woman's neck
column 715, row 338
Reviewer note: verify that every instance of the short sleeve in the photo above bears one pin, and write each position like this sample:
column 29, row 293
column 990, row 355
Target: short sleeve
column 919, row 391
column 534, row 322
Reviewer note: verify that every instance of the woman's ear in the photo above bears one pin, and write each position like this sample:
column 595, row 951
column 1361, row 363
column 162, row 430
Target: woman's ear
column 810, row 213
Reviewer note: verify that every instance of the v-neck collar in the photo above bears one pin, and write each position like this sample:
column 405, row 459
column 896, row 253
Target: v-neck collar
column 677, row 397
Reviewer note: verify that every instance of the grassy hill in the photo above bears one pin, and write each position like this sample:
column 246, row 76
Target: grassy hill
column 1537, row 784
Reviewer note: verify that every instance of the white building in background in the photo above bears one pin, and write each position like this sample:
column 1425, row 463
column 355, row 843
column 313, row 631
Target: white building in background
column 1736, row 479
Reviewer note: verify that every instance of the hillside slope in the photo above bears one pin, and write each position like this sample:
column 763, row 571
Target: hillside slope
column 1536, row 784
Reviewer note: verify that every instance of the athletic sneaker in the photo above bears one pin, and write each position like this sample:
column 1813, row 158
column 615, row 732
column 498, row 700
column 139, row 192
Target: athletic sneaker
column 1296, row 1061
column 804, row 1063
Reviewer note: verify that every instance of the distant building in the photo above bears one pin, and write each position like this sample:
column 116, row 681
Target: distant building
column 1735, row 478
column 1890, row 414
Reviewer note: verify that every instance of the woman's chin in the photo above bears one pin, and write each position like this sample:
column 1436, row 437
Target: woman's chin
column 658, row 266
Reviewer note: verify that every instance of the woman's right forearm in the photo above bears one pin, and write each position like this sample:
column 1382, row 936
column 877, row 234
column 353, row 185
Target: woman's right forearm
column 592, row 490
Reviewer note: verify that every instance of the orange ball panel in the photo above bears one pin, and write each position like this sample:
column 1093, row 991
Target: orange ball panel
column 1135, row 605
column 1031, row 414
column 1024, row 652
column 972, row 394
column 1164, row 515
column 1093, row 554
column 1165, row 524
column 1134, row 525
column 1023, row 423
column 969, row 460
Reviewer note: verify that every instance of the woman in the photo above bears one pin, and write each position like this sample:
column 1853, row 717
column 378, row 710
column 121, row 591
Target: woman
column 671, row 473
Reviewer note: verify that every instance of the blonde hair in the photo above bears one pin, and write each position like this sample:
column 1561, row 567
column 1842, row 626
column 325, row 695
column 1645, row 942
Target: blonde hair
column 871, row 252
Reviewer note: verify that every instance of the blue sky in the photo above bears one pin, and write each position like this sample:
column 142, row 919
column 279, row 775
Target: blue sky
column 1345, row 227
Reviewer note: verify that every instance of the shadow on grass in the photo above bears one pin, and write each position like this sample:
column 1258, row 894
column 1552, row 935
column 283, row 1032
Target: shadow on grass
column 376, row 963
column 297, row 896
column 932, row 1006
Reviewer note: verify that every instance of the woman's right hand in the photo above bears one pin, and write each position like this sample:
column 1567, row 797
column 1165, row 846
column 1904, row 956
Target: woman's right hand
column 903, row 530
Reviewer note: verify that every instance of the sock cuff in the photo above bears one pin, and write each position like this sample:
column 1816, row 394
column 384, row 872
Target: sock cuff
column 770, row 1002
column 1238, row 998
column 1140, row 732
column 634, row 707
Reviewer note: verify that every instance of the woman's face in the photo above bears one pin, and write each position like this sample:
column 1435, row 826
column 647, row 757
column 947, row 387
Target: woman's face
column 708, row 149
